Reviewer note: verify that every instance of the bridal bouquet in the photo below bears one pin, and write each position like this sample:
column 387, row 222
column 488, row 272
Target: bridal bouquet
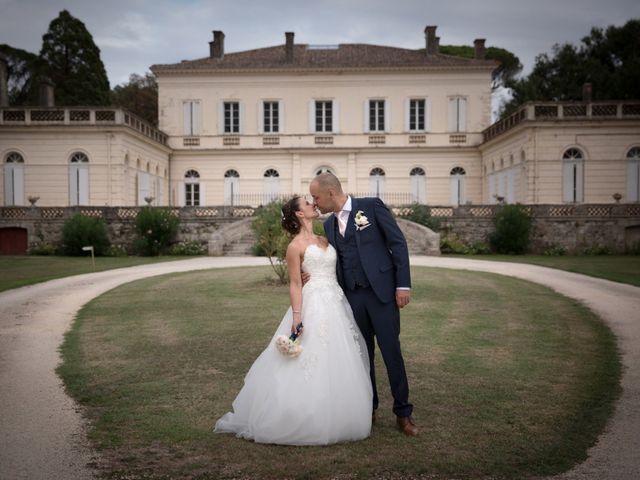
column 287, row 345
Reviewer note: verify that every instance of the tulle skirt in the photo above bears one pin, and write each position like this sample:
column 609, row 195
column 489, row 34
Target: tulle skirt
column 322, row 396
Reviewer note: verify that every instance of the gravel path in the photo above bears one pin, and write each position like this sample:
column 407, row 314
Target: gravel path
column 43, row 434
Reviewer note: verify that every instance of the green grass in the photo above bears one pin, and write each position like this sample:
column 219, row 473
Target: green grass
column 18, row 271
column 618, row 268
column 508, row 379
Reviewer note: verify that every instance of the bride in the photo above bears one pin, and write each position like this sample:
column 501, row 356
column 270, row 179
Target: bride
column 324, row 394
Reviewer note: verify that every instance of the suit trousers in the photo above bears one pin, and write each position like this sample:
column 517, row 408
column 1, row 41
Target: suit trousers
column 382, row 321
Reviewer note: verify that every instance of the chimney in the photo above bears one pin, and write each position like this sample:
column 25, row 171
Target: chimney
column 4, row 81
column 216, row 48
column 480, row 51
column 587, row 92
column 430, row 36
column 46, row 92
column 437, row 45
column 289, row 46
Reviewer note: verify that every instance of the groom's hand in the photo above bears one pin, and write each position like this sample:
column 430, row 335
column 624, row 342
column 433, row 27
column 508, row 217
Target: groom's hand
column 306, row 276
column 403, row 297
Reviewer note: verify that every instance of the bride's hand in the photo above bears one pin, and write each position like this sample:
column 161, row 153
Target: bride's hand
column 295, row 324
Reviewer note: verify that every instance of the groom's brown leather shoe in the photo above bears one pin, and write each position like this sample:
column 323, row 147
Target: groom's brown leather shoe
column 406, row 426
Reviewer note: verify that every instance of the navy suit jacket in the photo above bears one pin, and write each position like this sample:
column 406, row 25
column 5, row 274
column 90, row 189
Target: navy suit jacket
column 382, row 247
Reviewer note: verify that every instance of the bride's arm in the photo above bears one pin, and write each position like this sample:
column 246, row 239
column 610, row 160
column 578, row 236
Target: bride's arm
column 295, row 284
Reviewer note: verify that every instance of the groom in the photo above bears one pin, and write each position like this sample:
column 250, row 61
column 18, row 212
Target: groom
column 373, row 271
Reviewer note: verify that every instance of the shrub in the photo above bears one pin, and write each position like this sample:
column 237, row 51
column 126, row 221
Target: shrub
column 271, row 239
column 155, row 229
column 512, row 226
column 116, row 251
column 453, row 245
column 43, row 249
column 555, row 251
column 188, row 248
column 597, row 250
column 421, row 214
column 82, row 231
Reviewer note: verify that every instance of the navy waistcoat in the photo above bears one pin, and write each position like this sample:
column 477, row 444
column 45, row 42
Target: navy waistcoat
column 352, row 272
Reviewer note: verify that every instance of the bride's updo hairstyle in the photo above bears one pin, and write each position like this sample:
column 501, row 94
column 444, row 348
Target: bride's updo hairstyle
column 290, row 222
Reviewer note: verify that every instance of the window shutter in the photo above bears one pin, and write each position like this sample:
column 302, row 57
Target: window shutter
column 335, row 111
column 83, row 173
column 186, row 110
column 73, row 185
column 281, row 128
column 492, row 189
column 633, row 193
column 196, row 118
column 462, row 121
column 407, row 103
column 387, row 116
column 203, row 195
column 18, row 184
column 365, row 116
column 8, row 185
column 452, row 118
column 567, row 181
column 181, row 194
column 220, row 126
column 312, row 116
column 454, row 190
column 580, row 181
column 240, row 117
column 427, row 115
column 261, row 117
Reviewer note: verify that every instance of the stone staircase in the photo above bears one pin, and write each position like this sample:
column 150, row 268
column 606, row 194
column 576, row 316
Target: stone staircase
column 237, row 238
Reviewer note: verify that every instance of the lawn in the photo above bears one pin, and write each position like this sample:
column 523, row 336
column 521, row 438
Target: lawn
column 618, row 268
column 509, row 380
column 18, row 271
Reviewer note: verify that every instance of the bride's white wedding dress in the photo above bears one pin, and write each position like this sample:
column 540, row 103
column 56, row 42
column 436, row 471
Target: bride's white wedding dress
column 323, row 395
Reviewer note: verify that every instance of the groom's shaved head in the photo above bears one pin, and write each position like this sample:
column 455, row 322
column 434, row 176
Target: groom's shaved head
column 328, row 181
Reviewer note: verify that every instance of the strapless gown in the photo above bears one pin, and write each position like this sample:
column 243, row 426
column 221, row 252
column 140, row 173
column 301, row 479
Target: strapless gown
column 322, row 396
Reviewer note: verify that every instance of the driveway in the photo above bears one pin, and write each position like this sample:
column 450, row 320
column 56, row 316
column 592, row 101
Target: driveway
column 43, row 434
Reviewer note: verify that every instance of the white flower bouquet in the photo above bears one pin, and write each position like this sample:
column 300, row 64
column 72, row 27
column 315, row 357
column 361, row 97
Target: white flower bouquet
column 288, row 345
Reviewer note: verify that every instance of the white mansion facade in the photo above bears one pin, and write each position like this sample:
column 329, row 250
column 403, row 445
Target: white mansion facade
column 242, row 128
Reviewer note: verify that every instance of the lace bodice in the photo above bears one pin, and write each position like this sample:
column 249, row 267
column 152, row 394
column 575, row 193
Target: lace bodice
column 321, row 264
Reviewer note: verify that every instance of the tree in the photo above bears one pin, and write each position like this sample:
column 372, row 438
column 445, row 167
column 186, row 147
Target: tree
column 22, row 81
column 271, row 239
column 139, row 96
column 509, row 63
column 609, row 60
column 72, row 61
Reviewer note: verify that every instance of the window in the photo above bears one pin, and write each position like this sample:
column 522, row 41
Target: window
column 324, row 116
column 417, row 112
column 376, row 182
column 457, row 114
column 271, row 185
column 573, row 176
column 78, row 179
column 231, row 117
column 192, row 188
column 191, row 113
column 376, row 116
column 633, row 175
column 271, row 118
column 457, row 186
column 231, row 187
column 418, row 184
column 14, row 180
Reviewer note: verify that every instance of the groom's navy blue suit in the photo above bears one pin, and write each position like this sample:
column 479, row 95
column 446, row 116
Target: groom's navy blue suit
column 373, row 262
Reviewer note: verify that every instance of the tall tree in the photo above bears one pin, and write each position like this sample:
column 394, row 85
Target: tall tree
column 72, row 60
column 22, row 81
column 609, row 60
column 139, row 96
column 509, row 63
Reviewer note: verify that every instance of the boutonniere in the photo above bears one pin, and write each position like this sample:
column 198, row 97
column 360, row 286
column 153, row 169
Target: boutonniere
column 361, row 220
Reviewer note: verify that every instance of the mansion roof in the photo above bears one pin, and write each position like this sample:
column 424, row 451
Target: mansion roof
column 326, row 58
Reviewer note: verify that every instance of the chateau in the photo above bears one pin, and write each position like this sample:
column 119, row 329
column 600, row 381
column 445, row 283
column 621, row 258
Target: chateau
column 408, row 125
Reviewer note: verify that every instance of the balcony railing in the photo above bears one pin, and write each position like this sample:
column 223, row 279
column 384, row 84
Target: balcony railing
column 99, row 116
column 541, row 111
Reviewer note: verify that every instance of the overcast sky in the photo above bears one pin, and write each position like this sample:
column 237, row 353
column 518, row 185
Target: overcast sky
column 134, row 34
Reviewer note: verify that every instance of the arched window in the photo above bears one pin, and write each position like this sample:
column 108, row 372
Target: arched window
column 231, row 187
column 192, row 188
column 271, row 185
column 418, row 181
column 14, row 180
column 572, row 176
column 633, row 175
column 376, row 182
column 144, row 185
column 457, row 185
column 79, row 179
